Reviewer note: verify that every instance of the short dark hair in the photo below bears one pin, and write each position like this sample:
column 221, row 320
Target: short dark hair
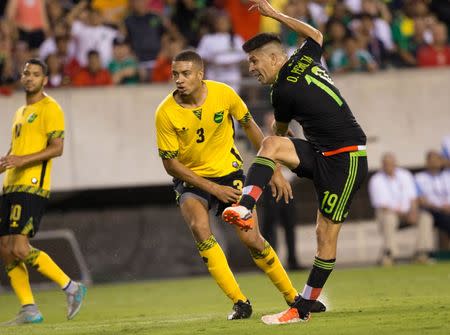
column 93, row 52
column 42, row 64
column 189, row 56
column 260, row 40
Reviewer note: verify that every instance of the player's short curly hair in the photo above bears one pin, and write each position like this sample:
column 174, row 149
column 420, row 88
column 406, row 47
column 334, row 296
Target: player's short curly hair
column 189, row 56
column 260, row 40
column 36, row 61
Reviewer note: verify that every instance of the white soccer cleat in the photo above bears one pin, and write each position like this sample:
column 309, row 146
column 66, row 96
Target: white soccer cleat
column 288, row 316
column 239, row 216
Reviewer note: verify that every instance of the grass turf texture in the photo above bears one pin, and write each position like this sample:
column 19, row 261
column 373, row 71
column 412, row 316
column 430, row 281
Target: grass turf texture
column 406, row 299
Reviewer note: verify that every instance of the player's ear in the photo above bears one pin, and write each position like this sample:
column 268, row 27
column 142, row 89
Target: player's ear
column 45, row 81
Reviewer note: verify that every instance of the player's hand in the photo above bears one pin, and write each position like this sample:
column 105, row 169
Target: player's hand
column 264, row 7
column 281, row 188
column 12, row 161
column 227, row 194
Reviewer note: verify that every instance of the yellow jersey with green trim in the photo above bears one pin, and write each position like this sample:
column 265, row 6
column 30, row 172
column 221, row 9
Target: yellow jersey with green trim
column 33, row 126
column 202, row 138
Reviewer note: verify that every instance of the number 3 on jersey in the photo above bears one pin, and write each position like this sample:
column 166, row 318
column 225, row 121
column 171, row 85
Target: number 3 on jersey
column 201, row 135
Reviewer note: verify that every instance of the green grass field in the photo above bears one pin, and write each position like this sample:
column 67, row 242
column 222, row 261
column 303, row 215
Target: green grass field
column 407, row 299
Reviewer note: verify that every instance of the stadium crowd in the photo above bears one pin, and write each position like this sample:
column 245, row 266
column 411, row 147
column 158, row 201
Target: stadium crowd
column 101, row 42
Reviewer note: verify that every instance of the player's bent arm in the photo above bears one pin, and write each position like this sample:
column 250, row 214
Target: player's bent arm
column 54, row 149
column 298, row 26
column 254, row 133
column 178, row 170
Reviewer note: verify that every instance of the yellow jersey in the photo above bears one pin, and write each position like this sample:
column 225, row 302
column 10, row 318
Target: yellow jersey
column 202, row 138
column 33, row 126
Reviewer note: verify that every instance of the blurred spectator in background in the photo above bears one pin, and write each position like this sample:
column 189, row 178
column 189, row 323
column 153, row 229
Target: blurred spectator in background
column 6, row 63
column 187, row 17
column 438, row 52
column 30, row 18
column 123, row 67
column 433, row 186
column 365, row 32
column 222, row 53
column 144, row 31
column 94, row 74
column 91, row 34
column 382, row 19
column 245, row 23
column 162, row 71
column 334, row 43
column 352, row 58
column 55, row 12
column 66, row 53
column 61, row 30
column 299, row 10
column 56, row 77
column 394, row 196
column 279, row 213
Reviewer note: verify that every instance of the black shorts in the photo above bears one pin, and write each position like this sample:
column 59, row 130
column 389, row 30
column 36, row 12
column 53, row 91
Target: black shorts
column 21, row 213
column 235, row 179
column 336, row 178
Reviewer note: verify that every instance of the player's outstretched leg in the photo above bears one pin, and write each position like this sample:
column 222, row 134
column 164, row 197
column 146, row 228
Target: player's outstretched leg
column 28, row 314
column 75, row 293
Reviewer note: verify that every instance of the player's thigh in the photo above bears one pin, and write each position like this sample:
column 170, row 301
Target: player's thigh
column 337, row 179
column 25, row 213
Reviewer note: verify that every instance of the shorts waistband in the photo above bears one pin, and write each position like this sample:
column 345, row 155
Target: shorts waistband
column 349, row 148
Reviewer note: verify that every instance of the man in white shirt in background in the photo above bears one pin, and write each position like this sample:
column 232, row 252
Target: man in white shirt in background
column 433, row 185
column 394, row 196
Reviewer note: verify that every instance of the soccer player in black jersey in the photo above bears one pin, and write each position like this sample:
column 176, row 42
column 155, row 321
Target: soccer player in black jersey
column 333, row 155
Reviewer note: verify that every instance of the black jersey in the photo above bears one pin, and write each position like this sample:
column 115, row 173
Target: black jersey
column 305, row 92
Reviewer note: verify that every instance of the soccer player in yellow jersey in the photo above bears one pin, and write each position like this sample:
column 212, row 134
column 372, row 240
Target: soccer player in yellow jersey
column 37, row 137
column 195, row 138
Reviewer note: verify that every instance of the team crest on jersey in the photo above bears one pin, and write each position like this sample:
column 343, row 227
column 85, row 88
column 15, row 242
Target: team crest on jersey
column 31, row 118
column 198, row 113
column 218, row 117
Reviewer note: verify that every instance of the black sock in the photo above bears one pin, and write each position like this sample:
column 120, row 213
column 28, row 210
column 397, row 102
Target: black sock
column 316, row 280
column 258, row 177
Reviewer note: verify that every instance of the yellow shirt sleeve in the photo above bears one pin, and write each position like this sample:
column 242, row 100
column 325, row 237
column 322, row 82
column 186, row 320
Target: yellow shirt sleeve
column 166, row 136
column 54, row 121
column 238, row 108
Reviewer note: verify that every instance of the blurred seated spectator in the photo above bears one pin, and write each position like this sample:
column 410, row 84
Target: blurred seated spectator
column 30, row 18
column 162, row 71
column 60, row 30
column 393, row 194
column 94, row 74
column 64, row 51
column 123, row 67
column 433, row 186
column 144, row 31
column 299, row 10
column 222, row 53
column 382, row 19
column 438, row 52
column 92, row 35
column 187, row 18
column 55, row 12
column 352, row 58
column 334, row 39
column 369, row 41
column 56, row 77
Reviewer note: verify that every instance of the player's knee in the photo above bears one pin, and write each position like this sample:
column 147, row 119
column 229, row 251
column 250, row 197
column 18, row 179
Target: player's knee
column 20, row 252
column 269, row 146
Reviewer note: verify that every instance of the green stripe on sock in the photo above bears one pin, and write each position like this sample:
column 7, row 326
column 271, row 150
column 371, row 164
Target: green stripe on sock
column 265, row 161
column 324, row 265
column 206, row 244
